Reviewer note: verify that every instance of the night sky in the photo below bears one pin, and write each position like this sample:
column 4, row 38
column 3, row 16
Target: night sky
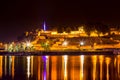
column 18, row 16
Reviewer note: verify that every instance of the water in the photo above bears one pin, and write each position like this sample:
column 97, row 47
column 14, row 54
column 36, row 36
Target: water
column 82, row 67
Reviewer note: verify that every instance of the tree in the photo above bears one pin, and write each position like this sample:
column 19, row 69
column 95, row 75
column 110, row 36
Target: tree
column 88, row 28
column 98, row 27
column 106, row 29
column 101, row 28
column 60, row 29
column 68, row 29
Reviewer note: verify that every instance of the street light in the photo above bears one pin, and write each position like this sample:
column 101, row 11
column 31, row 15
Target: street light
column 65, row 43
column 28, row 44
column 81, row 43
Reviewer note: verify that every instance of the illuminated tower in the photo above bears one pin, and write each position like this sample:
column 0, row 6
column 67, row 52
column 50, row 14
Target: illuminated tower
column 44, row 26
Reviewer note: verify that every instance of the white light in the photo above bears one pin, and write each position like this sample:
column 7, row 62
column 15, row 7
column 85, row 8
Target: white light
column 65, row 57
column 82, row 67
column 81, row 43
column 28, row 44
column 65, row 66
column 28, row 66
column 47, row 57
column 65, row 43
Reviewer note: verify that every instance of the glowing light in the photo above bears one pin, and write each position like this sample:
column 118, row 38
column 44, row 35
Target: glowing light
column 94, row 61
column 28, row 66
column 65, row 67
column 65, row 43
column 1, row 62
column 13, row 58
column 107, row 62
column 28, row 44
column 54, row 33
column 54, row 68
column 46, row 67
column 101, row 59
column 46, row 57
column 44, row 25
column 31, row 62
column 81, row 69
column 81, row 43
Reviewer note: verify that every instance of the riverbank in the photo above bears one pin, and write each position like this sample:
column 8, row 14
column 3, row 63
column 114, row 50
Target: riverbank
column 41, row 53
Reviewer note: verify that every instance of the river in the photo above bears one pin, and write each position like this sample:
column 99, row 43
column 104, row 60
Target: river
column 63, row 67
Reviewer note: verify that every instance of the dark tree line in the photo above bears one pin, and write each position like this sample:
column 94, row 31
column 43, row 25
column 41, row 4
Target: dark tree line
column 99, row 27
column 89, row 27
column 67, row 29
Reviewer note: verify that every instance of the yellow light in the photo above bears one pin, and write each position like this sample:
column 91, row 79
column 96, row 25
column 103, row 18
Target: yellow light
column 65, row 43
column 81, row 43
column 53, row 33
column 82, row 67
column 65, row 66
column 28, row 66
column 28, row 44
column 94, row 61
column 39, row 33
column 107, row 60
column 1, row 62
column 101, row 59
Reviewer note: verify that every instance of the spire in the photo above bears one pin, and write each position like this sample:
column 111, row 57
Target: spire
column 44, row 26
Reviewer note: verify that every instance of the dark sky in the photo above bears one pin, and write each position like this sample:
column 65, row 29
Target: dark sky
column 17, row 16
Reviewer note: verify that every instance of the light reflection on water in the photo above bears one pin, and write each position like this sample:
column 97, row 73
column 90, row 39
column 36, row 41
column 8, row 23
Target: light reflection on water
column 118, row 65
column 1, row 62
column 83, row 67
column 101, row 59
column 94, row 61
column 64, row 66
column 107, row 60
column 28, row 66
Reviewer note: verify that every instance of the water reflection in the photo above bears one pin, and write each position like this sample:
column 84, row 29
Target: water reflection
column 83, row 67
column 101, row 59
column 45, row 67
column 39, row 68
column 118, row 65
column 65, row 58
column 94, row 61
column 13, row 58
column 5, row 68
column 54, row 68
column 28, row 66
column 107, row 60
column 1, row 62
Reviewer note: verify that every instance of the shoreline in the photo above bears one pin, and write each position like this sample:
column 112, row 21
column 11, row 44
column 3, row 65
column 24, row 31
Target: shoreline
column 42, row 53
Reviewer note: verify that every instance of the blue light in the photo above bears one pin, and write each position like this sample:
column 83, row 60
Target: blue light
column 44, row 58
column 44, row 25
column 45, row 66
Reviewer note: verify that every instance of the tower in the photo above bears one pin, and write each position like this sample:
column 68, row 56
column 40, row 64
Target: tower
column 44, row 26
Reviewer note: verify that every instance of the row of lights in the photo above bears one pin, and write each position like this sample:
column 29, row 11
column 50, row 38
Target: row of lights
column 65, row 43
